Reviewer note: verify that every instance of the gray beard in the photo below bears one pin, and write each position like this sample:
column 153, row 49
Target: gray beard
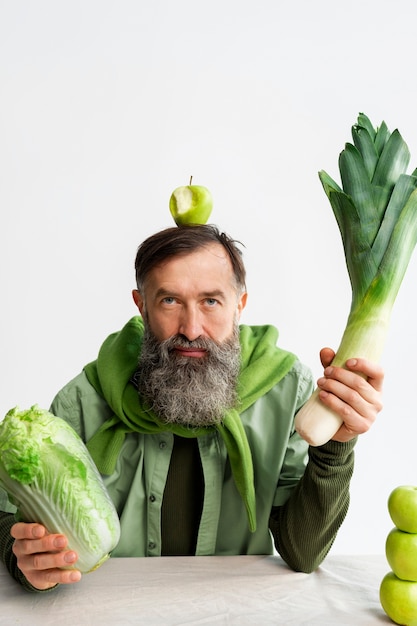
column 189, row 391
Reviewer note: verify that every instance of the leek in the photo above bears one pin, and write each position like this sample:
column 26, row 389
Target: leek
column 376, row 211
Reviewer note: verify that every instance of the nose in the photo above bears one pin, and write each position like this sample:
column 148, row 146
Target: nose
column 190, row 324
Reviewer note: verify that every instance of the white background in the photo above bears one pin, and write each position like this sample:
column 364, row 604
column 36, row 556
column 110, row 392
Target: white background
column 106, row 107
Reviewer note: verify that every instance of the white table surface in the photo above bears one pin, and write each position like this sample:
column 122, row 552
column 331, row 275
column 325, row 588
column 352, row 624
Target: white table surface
column 239, row 590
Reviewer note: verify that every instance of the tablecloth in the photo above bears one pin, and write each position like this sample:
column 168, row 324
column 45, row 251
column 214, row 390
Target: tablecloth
column 238, row 590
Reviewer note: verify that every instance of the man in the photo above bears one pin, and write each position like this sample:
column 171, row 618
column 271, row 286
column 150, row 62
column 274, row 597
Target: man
column 190, row 419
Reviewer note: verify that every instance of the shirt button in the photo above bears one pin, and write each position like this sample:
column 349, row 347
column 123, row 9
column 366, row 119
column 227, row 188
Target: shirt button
column 152, row 498
column 151, row 545
column 162, row 445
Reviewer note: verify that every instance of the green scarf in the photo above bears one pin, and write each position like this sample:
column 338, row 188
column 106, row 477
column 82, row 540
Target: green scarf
column 263, row 365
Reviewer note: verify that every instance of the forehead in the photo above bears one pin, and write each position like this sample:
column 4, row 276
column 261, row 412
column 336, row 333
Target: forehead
column 210, row 262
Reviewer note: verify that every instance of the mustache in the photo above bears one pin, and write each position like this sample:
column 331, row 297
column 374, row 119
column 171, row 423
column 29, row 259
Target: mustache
column 181, row 341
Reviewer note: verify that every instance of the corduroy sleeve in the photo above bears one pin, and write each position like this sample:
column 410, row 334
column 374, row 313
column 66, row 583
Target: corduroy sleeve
column 305, row 527
column 6, row 553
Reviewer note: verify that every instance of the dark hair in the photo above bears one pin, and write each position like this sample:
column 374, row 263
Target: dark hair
column 183, row 240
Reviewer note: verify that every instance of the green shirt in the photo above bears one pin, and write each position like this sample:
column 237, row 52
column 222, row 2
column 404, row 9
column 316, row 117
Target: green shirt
column 137, row 484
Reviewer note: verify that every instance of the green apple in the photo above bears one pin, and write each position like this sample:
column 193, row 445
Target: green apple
column 401, row 552
column 402, row 506
column 191, row 204
column 399, row 599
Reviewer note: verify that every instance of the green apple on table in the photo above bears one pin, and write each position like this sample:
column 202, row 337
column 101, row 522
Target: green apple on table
column 402, row 507
column 399, row 599
column 191, row 204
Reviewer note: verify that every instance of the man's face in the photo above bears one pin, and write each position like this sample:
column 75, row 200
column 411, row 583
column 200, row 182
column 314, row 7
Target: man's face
column 190, row 358
column 192, row 295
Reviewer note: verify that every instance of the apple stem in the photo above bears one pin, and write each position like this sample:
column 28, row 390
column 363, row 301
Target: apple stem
column 191, row 179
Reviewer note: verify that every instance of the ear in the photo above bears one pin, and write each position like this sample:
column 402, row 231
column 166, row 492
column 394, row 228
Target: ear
column 241, row 303
column 139, row 301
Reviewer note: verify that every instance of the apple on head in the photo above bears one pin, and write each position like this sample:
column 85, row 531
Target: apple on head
column 191, row 204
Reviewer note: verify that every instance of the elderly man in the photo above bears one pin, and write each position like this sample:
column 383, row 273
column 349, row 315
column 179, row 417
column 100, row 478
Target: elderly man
column 189, row 416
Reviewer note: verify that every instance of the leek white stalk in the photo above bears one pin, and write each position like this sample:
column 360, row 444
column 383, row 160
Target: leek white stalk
column 376, row 211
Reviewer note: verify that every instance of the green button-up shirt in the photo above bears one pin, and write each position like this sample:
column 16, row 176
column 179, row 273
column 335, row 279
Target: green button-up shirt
column 137, row 484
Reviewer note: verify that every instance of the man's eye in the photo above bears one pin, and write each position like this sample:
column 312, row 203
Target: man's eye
column 168, row 300
column 211, row 301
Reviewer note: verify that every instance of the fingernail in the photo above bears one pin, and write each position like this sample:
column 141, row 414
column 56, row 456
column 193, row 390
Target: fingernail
column 70, row 557
column 60, row 542
column 38, row 532
column 328, row 371
column 75, row 576
column 351, row 362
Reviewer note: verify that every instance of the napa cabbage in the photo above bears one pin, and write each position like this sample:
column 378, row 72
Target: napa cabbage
column 50, row 477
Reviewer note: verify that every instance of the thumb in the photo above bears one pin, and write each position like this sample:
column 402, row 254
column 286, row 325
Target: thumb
column 326, row 356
